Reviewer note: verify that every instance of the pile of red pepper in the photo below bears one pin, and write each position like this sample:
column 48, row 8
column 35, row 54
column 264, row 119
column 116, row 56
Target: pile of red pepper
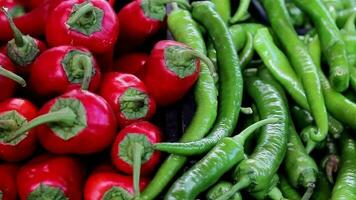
column 86, row 90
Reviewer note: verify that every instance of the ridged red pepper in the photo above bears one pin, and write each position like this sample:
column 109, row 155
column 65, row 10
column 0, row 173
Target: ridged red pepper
column 63, row 68
column 13, row 114
column 132, row 151
column 51, row 177
column 92, row 24
column 7, row 78
column 23, row 49
column 128, row 97
column 107, row 185
column 171, row 70
column 8, row 174
column 32, row 23
column 130, row 63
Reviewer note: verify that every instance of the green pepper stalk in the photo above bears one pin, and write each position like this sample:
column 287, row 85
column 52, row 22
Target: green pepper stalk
column 242, row 12
column 86, row 63
column 8, row 74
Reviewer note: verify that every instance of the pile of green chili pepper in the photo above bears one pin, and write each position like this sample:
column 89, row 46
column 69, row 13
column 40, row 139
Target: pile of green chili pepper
column 295, row 73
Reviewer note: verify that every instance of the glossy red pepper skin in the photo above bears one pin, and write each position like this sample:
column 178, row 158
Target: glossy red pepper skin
column 164, row 85
column 130, row 63
column 63, row 172
column 99, row 183
column 48, row 77
column 27, row 146
column 59, row 33
column 114, row 86
column 9, row 4
column 32, row 23
column 135, row 26
column 96, row 136
column 153, row 135
column 8, row 174
column 8, row 86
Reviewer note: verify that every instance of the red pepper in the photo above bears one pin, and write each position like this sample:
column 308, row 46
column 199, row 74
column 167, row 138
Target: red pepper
column 7, row 78
column 133, row 146
column 92, row 24
column 63, row 68
column 8, row 189
column 13, row 114
column 13, row 8
column 32, row 23
column 171, row 70
column 128, row 97
column 130, row 63
column 108, row 185
column 23, row 49
column 51, row 177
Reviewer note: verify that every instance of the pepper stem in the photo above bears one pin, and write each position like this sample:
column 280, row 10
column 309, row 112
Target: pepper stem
column 206, row 60
column 80, row 16
column 84, row 61
column 64, row 115
column 309, row 192
column 243, row 183
column 241, row 12
column 183, row 3
column 12, row 76
column 8, row 124
column 246, row 110
column 18, row 36
column 276, row 194
column 137, row 159
column 249, row 130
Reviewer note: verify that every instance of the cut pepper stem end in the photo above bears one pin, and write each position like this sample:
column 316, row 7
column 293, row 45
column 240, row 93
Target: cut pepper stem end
column 309, row 192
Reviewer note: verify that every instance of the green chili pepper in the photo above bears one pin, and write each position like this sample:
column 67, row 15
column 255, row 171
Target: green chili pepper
column 247, row 52
column 230, row 92
column 219, row 189
column 302, row 117
column 349, row 3
column 297, row 17
column 257, row 172
column 331, row 41
column 323, row 189
column 302, row 63
column 343, row 15
column 338, row 105
column 223, row 7
column 242, row 12
column 287, row 190
column 225, row 155
column 239, row 33
column 350, row 95
column 184, row 29
column 346, row 180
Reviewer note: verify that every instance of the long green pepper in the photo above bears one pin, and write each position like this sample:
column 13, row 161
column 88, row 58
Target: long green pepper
column 185, row 30
column 287, row 190
column 331, row 41
column 224, row 156
column 219, row 189
column 302, row 63
column 231, row 84
column 223, row 7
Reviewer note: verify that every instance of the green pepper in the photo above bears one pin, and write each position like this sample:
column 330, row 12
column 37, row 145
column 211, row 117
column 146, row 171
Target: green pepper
column 219, row 189
column 287, row 190
column 302, row 117
column 242, row 12
column 323, row 189
column 239, row 33
column 224, row 156
column 230, row 83
column 223, row 7
column 331, row 41
column 185, row 30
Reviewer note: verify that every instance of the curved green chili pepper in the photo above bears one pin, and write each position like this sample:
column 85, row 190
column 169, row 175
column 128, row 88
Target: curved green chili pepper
column 184, row 29
column 287, row 190
column 323, row 189
column 346, row 180
column 219, row 189
column 297, row 17
column 257, row 172
column 239, row 33
column 223, row 7
column 230, row 92
column 247, row 52
column 225, row 155
column 302, row 117
column 331, row 41
column 242, row 12
column 302, row 63
column 343, row 15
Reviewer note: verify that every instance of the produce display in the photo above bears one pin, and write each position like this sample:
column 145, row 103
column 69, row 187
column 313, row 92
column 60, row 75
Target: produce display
column 177, row 99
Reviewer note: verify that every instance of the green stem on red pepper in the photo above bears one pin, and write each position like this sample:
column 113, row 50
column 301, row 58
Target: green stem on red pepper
column 12, row 76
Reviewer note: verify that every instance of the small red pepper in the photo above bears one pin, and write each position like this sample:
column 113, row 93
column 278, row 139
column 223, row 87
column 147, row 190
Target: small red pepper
column 7, row 78
column 171, row 70
column 130, row 63
column 63, row 68
column 92, row 24
column 14, row 113
column 133, row 146
column 108, row 185
column 8, row 174
column 128, row 97
column 32, row 23
column 51, row 177
column 23, row 49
